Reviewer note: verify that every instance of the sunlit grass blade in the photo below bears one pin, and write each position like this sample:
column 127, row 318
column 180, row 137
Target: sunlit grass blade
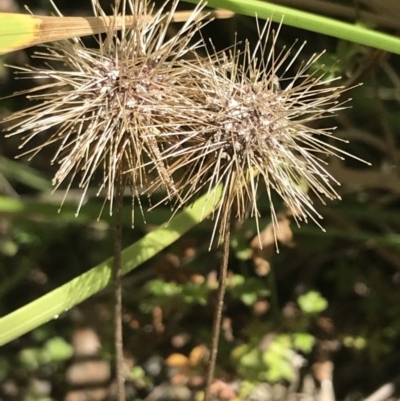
column 311, row 22
column 75, row 291
column 21, row 30
column 18, row 31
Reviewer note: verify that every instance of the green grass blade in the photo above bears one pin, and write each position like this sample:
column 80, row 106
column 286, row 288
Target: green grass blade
column 47, row 211
column 17, row 171
column 16, row 31
column 75, row 291
column 390, row 240
column 310, row 22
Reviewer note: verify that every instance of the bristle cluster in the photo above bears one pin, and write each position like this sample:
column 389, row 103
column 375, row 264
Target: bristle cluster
column 110, row 107
column 254, row 135
column 137, row 105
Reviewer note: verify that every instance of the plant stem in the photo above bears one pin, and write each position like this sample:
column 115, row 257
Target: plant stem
column 117, row 275
column 218, row 314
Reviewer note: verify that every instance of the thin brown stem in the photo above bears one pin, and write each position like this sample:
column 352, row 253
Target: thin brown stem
column 117, row 275
column 218, row 313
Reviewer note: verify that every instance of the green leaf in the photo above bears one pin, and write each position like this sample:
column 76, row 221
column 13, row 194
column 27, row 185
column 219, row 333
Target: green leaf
column 303, row 342
column 312, row 302
column 311, row 22
column 248, row 290
column 248, row 298
column 277, row 359
column 277, row 349
column 239, row 352
column 355, row 342
column 195, row 293
column 58, row 349
column 281, row 369
column 82, row 287
column 160, row 287
column 251, row 359
column 30, row 358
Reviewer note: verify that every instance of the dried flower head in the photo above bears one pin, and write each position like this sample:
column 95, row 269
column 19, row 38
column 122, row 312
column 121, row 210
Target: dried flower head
column 255, row 133
column 108, row 107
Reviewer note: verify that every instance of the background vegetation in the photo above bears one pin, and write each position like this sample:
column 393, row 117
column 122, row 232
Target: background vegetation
column 319, row 319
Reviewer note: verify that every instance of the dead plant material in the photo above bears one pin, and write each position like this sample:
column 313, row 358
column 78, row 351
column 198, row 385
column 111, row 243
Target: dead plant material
column 255, row 133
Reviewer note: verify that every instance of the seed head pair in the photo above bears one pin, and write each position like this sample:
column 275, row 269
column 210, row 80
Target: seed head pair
column 135, row 105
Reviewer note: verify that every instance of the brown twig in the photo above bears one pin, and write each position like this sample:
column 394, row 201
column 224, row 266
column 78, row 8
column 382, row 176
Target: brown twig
column 218, row 314
column 117, row 275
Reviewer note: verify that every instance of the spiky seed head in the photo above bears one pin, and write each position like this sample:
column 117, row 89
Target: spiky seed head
column 256, row 134
column 108, row 107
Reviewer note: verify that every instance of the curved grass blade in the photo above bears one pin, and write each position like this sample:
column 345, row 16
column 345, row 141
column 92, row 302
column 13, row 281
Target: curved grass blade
column 14, row 170
column 310, row 22
column 82, row 287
